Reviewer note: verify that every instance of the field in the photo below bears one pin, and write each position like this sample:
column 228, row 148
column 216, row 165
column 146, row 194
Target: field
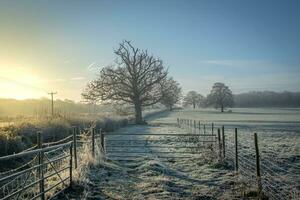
column 167, row 160
column 278, row 139
column 149, row 176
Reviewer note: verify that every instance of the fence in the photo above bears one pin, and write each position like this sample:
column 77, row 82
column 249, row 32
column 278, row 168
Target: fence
column 251, row 168
column 48, row 169
column 164, row 146
column 129, row 146
column 50, row 166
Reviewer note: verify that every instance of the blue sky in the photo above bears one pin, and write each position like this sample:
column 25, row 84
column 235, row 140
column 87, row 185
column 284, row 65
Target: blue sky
column 248, row 45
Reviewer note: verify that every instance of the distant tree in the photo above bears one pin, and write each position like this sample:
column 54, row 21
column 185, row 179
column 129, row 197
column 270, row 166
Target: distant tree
column 220, row 96
column 203, row 102
column 171, row 93
column 193, row 98
column 135, row 79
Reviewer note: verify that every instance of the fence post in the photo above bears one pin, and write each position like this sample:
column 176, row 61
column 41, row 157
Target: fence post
column 204, row 129
column 223, row 141
column 236, row 150
column 75, row 146
column 41, row 165
column 199, row 127
column 259, row 185
column 93, row 142
column 220, row 145
column 71, row 163
column 212, row 128
column 178, row 122
column 102, row 141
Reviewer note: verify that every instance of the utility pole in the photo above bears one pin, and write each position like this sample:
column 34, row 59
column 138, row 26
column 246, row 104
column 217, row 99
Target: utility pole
column 52, row 93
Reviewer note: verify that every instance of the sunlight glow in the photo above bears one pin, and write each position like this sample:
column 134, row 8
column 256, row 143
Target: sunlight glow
column 19, row 82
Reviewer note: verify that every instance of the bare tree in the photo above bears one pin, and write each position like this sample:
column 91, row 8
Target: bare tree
column 193, row 98
column 220, row 96
column 171, row 93
column 135, row 79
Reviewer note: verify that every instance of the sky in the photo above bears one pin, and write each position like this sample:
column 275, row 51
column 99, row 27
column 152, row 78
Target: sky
column 60, row 45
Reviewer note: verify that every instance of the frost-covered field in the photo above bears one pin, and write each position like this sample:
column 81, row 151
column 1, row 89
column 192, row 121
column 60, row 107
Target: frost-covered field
column 201, row 177
column 279, row 143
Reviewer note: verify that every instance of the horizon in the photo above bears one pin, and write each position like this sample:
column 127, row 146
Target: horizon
column 59, row 46
column 83, row 102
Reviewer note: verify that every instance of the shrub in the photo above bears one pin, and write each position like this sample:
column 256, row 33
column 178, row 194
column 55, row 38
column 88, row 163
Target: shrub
column 23, row 134
column 55, row 129
column 10, row 143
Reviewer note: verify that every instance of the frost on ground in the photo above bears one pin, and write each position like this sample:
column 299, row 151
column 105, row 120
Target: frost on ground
column 152, row 177
column 200, row 176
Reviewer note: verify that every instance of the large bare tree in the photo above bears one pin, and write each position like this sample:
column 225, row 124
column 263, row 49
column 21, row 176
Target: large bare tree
column 135, row 78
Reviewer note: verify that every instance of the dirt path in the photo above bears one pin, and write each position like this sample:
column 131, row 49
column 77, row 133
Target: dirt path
column 199, row 177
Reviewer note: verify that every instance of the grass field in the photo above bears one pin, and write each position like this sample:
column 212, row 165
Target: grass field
column 278, row 132
column 200, row 177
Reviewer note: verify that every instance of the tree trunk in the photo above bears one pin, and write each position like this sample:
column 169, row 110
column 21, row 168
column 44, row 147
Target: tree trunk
column 222, row 108
column 194, row 105
column 170, row 108
column 138, row 113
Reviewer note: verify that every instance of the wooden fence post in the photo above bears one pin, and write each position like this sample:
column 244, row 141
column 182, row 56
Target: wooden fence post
column 75, row 146
column 41, row 165
column 258, row 176
column 236, row 150
column 223, row 141
column 71, row 164
column 204, row 129
column 212, row 128
column 199, row 127
column 220, row 145
column 178, row 122
column 93, row 142
column 102, row 142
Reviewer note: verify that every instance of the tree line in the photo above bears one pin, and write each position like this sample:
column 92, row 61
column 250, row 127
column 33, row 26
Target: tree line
column 243, row 100
column 267, row 99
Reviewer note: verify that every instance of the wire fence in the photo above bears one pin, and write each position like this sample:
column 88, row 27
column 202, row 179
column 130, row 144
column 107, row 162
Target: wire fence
column 268, row 176
column 277, row 178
